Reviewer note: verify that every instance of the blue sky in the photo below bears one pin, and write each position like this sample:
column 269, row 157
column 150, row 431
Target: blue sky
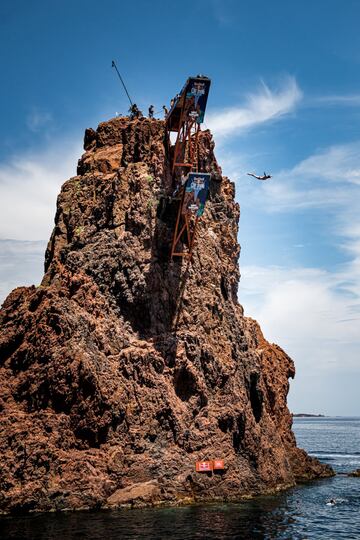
column 285, row 98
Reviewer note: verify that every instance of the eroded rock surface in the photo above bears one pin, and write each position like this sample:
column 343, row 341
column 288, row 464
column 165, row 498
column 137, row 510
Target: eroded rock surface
column 123, row 368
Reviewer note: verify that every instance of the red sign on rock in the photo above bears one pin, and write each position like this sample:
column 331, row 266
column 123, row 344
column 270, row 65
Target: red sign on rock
column 204, row 466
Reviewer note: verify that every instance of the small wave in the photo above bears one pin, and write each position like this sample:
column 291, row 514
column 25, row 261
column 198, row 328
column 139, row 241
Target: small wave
column 334, row 452
column 335, row 455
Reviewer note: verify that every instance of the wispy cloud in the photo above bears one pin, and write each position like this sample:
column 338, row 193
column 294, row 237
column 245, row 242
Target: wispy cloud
column 37, row 120
column 29, row 184
column 263, row 106
column 223, row 11
column 339, row 163
column 351, row 100
column 328, row 179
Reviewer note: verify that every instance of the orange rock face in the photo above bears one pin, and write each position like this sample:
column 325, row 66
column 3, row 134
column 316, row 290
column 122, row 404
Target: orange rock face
column 123, row 369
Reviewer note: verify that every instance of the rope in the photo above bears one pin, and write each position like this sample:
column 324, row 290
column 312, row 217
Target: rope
column 122, row 82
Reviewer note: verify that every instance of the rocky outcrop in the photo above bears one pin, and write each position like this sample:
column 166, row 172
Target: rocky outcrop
column 123, row 368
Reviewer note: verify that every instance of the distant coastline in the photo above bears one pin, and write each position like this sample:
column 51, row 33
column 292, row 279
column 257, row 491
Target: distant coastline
column 304, row 415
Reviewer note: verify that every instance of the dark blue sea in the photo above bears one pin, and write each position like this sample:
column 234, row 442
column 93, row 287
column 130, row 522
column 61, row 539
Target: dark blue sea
column 300, row 513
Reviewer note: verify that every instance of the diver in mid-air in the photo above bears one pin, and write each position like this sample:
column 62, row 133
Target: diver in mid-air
column 264, row 177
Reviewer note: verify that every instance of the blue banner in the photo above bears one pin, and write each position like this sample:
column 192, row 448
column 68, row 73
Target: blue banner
column 196, row 192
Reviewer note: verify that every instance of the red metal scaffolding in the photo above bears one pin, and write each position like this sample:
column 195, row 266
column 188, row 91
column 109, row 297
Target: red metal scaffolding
column 184, row 118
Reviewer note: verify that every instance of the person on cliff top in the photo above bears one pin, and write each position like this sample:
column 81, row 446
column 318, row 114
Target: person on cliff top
column 165, row 110
column 151, row 111
column 134, row 111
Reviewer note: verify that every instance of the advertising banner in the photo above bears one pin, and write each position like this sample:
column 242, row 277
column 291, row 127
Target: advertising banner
column 196, row 192
column 197, row 91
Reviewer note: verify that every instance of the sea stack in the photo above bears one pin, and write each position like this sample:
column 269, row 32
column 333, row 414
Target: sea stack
column 124, row 368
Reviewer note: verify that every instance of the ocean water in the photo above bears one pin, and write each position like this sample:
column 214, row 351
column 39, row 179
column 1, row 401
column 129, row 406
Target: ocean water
column 299, row 513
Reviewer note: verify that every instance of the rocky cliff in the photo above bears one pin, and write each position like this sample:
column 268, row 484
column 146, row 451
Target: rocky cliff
column 123, row 368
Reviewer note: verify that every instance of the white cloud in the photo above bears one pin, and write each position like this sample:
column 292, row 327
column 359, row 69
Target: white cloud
column 261, row 107
column 21, row 264
column 315, row 316
column 305, row 305
column 29, row 185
